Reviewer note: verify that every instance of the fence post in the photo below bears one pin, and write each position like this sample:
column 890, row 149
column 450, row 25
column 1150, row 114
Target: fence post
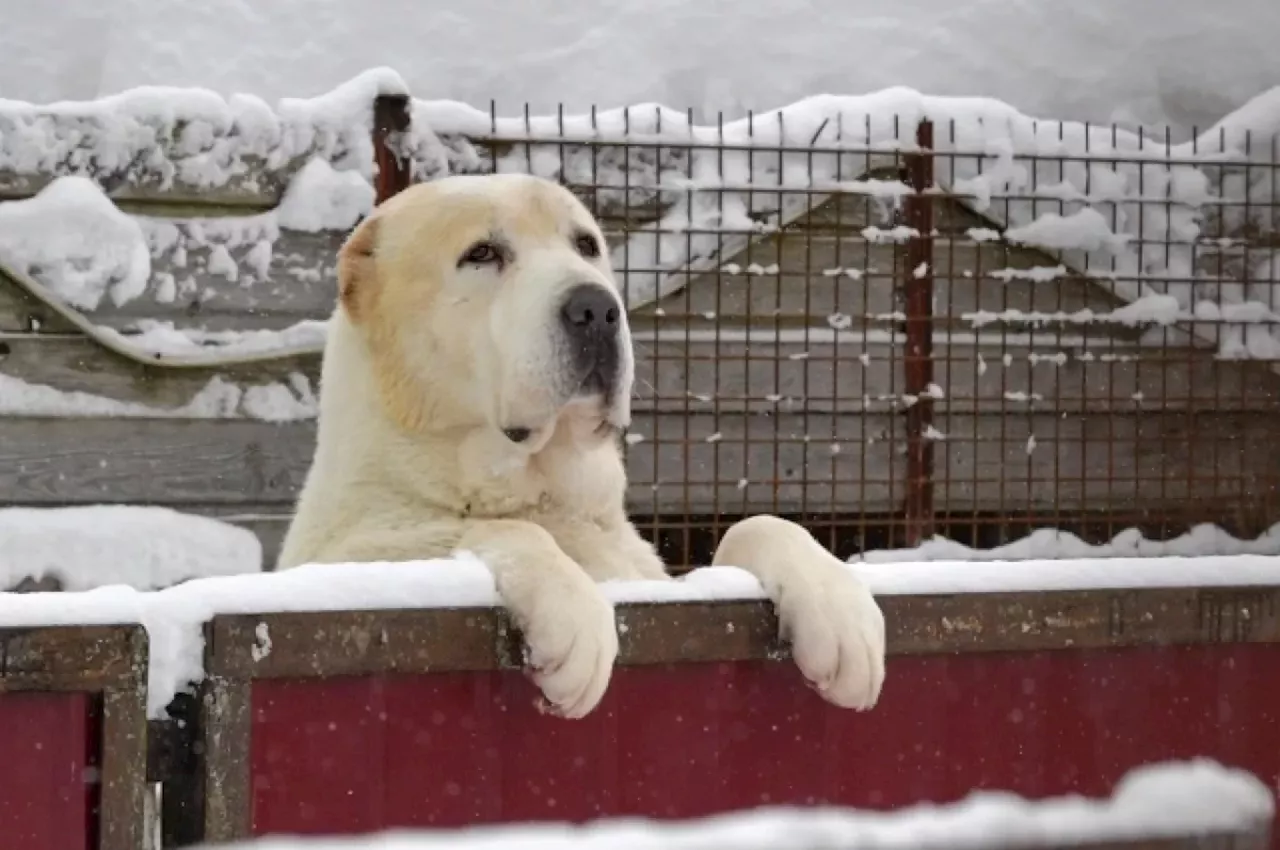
column 390, row 123
column 918, row 362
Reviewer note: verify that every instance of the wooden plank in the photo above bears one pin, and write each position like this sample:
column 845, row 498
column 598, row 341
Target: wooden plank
column 346, row 643
column 1160, row 461
column 207, row 268
column 75, row 363
column 225, row 732
column 230, row 462
column 1146, row 460
column 124, row 754
column 451, row 640
column 764, row 376
column 269, row 523
column 21, row 313
column 75, row 658
column 123, row 461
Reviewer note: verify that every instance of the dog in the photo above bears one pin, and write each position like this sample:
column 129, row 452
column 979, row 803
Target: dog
column 475, row 383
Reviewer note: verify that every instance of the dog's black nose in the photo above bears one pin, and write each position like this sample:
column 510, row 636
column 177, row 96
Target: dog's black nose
column 590, row 310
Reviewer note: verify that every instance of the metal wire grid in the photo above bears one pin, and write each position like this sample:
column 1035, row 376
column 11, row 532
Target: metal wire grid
column 816, row 372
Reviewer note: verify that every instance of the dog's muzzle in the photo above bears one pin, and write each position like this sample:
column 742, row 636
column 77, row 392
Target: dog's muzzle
column 591, row 319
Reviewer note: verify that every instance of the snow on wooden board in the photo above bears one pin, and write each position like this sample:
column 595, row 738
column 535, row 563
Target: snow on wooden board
column 1134, row 224
column 1159, row 800
column 174, row 616
column 218, row 399
column 144, row 548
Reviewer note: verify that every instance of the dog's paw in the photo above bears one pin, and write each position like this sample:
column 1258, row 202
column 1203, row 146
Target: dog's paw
column 571, row 642
column 837, row 635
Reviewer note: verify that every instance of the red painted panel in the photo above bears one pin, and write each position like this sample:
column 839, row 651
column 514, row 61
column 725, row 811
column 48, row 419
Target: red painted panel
column 349, row 755
column 47, row 785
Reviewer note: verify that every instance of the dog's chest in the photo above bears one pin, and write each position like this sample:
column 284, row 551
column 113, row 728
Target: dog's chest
column 575, row 484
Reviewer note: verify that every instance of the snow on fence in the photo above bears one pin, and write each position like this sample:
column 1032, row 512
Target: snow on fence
column 334, row 699
column 889, row 316
column 342, row 698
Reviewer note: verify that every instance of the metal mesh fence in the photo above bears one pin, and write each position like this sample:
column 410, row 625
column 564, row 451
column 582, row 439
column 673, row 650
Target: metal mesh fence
column 893, row 332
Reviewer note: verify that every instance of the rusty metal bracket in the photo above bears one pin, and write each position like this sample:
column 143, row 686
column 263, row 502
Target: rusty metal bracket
column 917, row 287
column 391, row 120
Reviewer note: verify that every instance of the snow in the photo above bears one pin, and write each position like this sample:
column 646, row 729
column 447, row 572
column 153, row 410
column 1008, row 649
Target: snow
column 218, row 399
column 1162, row 799
column 1151, row 308
column 1085, row 229
column 72, row 235
column 159, row 340
column 320, row 198
column 1136, row 227
column 1090, row 60
column 193, row 135
column 145, row 548
column 1201, row 541
column 173, row 616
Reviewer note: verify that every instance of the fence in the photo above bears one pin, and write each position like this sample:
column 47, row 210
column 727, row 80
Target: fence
column 887, row 332
column 342, row 722
column 972, row 326
column 358, row 721
column 878, row 328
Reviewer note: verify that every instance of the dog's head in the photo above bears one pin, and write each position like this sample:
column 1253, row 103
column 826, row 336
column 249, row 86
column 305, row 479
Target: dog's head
column 489, row 301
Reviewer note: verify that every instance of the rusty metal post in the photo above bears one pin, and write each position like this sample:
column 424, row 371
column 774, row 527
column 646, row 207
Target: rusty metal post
column 918, row 362
column 390, row 124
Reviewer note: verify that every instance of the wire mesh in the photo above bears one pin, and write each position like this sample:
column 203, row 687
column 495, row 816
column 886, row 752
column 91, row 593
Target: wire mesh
column 887, row 335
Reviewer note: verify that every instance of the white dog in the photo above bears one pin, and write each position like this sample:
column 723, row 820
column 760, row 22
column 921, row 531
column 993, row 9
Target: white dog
column 477, row 376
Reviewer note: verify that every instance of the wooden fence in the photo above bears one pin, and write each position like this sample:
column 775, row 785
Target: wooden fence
column 349, row 722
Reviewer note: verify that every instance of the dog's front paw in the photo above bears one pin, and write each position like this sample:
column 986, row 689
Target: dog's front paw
column 571, row 641
column 837, row 635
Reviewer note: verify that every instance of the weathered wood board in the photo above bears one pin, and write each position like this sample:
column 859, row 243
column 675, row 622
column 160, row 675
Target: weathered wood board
column 742, row 373
column 730, row 464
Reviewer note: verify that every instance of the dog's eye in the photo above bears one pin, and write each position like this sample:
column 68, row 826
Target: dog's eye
column 587, row 245
column 482, row 253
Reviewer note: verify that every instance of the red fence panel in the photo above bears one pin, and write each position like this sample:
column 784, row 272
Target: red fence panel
column 72, row 737
column 360, row 721
column 356, row 754
column 48, row 789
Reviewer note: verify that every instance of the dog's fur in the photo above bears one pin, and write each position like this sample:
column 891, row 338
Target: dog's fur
column 458, row 413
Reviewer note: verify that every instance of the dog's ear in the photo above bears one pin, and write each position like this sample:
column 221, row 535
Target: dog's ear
column 356, row 268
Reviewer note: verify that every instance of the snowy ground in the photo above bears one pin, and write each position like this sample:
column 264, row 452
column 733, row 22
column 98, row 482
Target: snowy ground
column 1166, row 799
column 1183, row 62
